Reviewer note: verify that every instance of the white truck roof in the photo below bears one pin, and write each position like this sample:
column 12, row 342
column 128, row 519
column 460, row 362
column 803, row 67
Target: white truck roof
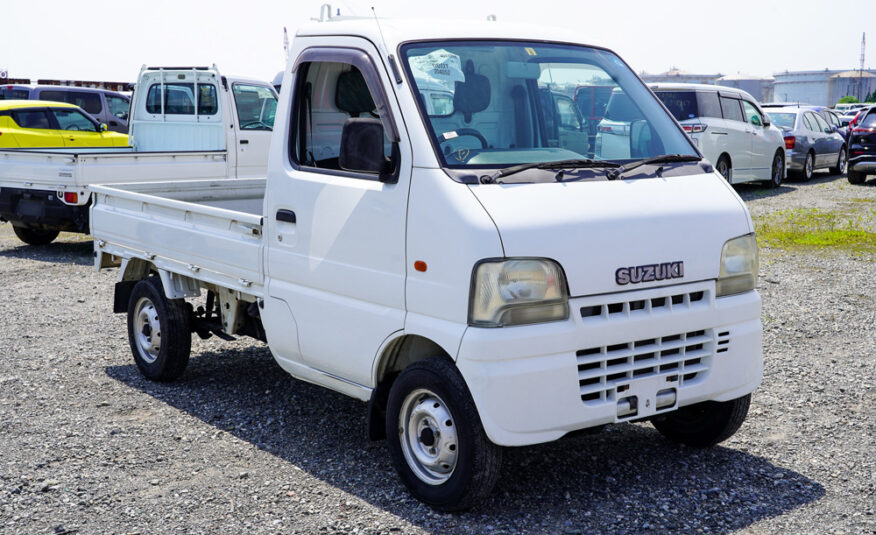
column 397, row 31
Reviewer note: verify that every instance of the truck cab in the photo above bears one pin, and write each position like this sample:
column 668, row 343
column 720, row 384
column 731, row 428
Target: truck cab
column 478, row 284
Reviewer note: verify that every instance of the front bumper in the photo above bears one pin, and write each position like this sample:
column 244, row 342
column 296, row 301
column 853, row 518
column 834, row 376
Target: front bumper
column 535, row 383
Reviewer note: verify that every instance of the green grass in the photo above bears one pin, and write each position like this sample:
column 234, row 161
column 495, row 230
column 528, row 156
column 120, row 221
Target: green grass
column 818, row 229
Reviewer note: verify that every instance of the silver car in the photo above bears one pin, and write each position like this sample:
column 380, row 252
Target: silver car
column 810, row 143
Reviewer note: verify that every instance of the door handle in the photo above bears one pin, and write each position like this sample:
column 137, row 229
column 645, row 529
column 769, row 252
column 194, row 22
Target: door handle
column 244, row 142
column 287, row 216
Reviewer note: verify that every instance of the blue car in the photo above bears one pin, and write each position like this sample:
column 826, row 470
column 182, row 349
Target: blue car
column 811, row 143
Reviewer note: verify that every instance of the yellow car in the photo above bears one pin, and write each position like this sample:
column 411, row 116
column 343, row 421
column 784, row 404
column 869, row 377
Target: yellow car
column 40, row 123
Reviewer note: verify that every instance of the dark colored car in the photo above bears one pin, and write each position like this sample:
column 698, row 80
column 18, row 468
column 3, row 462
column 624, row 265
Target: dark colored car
column 862, row 148
column 810, row 142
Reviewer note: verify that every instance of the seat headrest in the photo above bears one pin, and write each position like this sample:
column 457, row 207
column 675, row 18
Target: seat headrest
column 352, row 94
column 472, row 95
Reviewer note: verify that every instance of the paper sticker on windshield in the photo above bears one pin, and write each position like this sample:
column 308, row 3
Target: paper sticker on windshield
column 449, row 135
column 530, row 51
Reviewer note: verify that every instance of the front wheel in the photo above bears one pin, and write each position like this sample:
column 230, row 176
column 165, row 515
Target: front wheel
column 32, row 236
column 436, row 439
column 158, row 331
column 777, row 172
column 841, row 163
column 704, row 424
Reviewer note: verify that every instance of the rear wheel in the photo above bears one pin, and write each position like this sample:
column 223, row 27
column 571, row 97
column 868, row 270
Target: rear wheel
column 32, row 236
column 777, row 172
column 808, row 168
column 158, row 331
column 856, row 177
column 436, row 439
column 704, row 424
column 724, row 168
column 841, row 163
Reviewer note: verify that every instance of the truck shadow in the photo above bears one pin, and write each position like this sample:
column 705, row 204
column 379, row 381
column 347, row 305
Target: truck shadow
column 621, row 480
column 59, row 252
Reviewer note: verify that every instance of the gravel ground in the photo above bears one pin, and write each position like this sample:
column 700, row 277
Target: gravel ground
column 237, row 446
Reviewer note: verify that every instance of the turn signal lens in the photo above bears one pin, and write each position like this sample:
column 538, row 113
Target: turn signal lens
column 71, row 197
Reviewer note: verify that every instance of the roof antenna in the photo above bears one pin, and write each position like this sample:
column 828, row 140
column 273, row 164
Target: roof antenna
column 379, row 29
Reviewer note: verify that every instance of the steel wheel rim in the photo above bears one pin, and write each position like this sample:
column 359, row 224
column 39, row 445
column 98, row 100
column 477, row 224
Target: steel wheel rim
column 147, row 330
column 428, row 436
column 777, row 170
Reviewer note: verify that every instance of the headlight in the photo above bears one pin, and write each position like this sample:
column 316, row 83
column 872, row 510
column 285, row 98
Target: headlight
column 517, row 292
column 738, row 266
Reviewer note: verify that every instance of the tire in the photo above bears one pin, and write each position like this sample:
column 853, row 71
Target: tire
column 856, row 177
column 33, row 236
column 777, row 171
column 724, row 168
column 151, row 315
column 436, row 439
column 808, row 168
column 704, row 424
column 841, row 163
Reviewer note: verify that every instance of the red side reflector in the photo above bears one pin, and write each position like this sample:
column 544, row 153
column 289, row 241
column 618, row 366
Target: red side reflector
column 419, row 265
column 790, row 142
column 70, row 197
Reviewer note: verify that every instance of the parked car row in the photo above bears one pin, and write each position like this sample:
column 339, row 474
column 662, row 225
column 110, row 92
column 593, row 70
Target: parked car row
column 810, row 142
column 36, row 123
column 105, row 106
column 862, row 147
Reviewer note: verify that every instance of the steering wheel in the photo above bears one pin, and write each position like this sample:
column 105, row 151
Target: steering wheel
column 468, row 132
column 255, row 124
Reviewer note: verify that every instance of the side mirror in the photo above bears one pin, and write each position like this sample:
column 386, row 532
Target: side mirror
column 834, row 128
column 766, row 121
column 828, row 130
column 755, row 120
column 103, row 127
column 362, row 147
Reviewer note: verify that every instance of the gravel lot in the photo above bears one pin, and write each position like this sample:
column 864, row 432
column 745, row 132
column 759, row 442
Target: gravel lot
column 237, row 446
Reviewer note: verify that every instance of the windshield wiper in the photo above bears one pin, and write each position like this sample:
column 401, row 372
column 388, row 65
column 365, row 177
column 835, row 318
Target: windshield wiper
column 614, row 174
column 576, row 163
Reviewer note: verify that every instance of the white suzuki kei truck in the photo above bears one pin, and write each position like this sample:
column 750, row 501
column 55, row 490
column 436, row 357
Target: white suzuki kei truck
column 474, row 280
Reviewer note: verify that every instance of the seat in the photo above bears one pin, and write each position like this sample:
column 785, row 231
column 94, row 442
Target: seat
column 352, row 95
column 472, row 95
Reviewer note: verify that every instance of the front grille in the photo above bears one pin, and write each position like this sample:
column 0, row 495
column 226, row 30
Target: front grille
column 682, row 357
column 657, row 304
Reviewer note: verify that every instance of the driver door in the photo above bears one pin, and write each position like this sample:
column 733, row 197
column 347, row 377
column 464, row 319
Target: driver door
column 77, row 130
column 255, row 106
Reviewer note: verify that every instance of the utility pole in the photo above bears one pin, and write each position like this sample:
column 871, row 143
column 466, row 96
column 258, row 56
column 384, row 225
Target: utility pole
column 860, row 88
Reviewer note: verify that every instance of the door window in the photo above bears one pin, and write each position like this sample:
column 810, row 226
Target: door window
column 89, row 102
column 331, row 93
column 118, row 107
column 810, row 124
column 69, row 119
column 822, row 124
column 31, row 119
column 752, row 115
column 731, row 109
column 256, row 106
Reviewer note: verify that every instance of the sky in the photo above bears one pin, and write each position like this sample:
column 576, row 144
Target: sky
column 110, row 40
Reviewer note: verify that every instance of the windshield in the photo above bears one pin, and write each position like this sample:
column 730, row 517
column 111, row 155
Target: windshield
column 508, row 103
column 783, row 120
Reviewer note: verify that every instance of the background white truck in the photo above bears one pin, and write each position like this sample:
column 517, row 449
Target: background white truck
column 226, row 135
column 478, row 285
